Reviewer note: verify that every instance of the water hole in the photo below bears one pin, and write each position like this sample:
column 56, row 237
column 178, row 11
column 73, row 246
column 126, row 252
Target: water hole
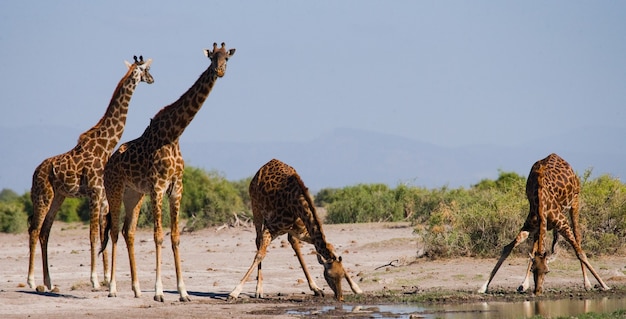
column 482, row 310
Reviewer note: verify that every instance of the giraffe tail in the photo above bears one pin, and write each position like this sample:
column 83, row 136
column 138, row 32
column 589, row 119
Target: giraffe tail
column 105, row 237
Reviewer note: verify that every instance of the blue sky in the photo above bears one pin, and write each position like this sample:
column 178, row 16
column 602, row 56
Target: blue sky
column 450, row 73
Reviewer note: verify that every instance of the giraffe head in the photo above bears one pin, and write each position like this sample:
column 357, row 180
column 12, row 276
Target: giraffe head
column 333, row 273
column 142, row 69
column 219, row 57
column 539, row 269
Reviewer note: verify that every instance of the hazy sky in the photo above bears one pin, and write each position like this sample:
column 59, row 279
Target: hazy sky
column 450, row 73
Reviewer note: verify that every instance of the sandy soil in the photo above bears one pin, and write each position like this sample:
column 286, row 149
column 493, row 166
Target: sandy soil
column 215, row 259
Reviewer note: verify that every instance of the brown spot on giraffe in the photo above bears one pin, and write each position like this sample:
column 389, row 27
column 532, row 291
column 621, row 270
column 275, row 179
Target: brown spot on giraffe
column 281, row 204
column 552, row 190
column 152, row 164
column 79, row 173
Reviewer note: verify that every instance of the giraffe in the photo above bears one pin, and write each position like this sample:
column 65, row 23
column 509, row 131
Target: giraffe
column 281, row 204
column 152, row 164
column 79, row 172
column 552, row 190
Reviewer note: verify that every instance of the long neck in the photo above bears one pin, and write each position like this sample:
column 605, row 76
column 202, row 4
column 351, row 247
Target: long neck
column 170, row 122
column 110, row 128
column 314, row 226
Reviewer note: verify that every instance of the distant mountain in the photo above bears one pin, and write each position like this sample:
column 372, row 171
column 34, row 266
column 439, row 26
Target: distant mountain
column 346, row 157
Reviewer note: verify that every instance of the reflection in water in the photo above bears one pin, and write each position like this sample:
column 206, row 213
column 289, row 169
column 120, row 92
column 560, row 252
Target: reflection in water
column 485, row 310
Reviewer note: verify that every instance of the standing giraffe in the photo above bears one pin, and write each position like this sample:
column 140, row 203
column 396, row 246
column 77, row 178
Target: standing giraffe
column 281, row 204
column 552, row 189
column 152, row 164
column 79, row 173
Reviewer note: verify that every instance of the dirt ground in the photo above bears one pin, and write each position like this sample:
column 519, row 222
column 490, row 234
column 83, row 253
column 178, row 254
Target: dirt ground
column 380, row 256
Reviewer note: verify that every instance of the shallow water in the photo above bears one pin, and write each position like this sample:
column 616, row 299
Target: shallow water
column 484, row 310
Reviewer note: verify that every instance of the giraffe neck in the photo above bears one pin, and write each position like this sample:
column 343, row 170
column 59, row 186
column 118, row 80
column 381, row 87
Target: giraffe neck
column 170, row 122
column 314, row 226
column 110, row 128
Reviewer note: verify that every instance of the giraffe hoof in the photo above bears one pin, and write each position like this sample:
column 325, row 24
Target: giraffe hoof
column 184, row 299
column 158, row 298
column 112, row 294
column 521, row 289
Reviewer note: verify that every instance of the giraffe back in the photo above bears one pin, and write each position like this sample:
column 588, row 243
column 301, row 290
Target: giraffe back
column 558, row 184
column 277, row 194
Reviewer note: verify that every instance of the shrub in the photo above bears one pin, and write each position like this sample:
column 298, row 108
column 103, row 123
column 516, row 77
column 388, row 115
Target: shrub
column 477, row 220
column 13, row 218
column 69, row 211
column 364, row 203
column 603, row 214
column 209, row 199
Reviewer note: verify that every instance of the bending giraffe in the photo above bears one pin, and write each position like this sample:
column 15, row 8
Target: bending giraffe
column 152, row 164
column 552, row 189
column 281, row 204
column 79, row 173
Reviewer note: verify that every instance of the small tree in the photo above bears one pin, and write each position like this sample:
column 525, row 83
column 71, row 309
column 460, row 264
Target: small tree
column 209, row 199
column 13, row 218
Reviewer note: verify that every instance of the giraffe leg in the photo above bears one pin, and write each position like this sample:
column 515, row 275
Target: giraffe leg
column 258, row 292
column 132, row 206
column 263, row 240
column 115, row 229
column 555, row 240
column 94, row 225
column 156, row 199
column 295, row 244
column 526, row 282
column 44, row 235
column 573, row 213
column 506, row 251
column 110, row 225
column 580, row 254
column 353, row 285
column 104, row 209
column 175, row 197
column 41, row 206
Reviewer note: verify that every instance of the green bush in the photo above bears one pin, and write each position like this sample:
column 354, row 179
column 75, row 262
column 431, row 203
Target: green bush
column 325, row 196
column 364, row 203
column 487, row 216
column 210, row 199
column 145, row 218
column 241, row 186
column 13, row 218
column 603, row 214
column 8, row 195
column 477, row 221
column 69, row 211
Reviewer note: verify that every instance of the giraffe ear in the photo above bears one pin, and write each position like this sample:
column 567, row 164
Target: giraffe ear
column 147, row 63
column 207, row 53
column 231, row 52
column 128, row 65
